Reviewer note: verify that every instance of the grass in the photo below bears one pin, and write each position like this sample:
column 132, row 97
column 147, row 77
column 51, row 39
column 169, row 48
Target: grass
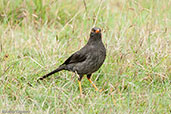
column 37, row 36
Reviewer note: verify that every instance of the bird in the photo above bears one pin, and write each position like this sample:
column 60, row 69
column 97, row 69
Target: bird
column 87, row 60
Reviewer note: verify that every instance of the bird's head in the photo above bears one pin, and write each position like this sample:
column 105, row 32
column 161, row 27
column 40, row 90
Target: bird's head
column 95, row 33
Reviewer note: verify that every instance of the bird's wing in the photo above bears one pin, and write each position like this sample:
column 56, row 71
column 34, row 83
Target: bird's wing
column 77, row 57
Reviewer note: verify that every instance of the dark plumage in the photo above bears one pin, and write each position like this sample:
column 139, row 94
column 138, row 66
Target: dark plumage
column 87, row 60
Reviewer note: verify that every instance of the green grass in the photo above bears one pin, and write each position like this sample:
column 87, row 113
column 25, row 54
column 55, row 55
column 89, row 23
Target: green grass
column 36, row 36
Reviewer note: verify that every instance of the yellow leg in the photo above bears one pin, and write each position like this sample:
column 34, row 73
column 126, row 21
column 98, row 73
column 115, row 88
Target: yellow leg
column 79, row 82
column 93, row 84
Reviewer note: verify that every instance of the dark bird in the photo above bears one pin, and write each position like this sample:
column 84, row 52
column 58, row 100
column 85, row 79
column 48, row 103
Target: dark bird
column 87, row 60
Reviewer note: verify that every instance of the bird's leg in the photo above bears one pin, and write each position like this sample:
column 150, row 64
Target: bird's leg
column 89, row 78
column 79, row 82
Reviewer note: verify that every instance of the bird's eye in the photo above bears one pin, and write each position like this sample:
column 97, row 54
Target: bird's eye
column 93, row 30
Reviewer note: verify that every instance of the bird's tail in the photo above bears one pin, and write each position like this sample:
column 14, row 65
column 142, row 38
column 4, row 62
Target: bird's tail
column 56, row 70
